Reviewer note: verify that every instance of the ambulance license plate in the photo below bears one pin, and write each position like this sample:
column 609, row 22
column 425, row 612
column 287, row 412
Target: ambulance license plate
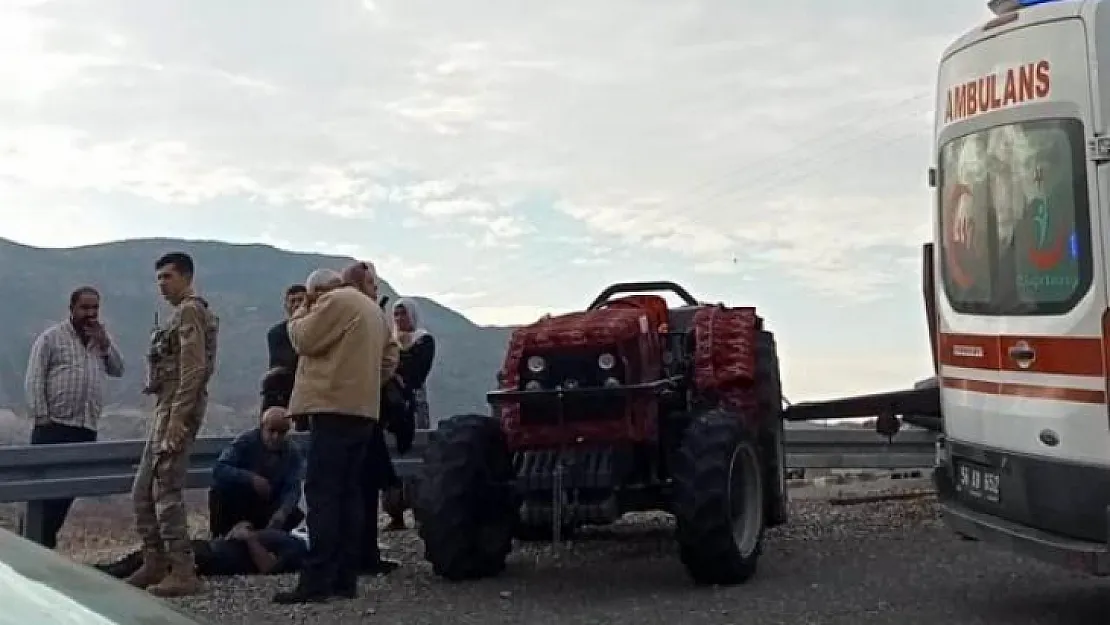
column 978, row 482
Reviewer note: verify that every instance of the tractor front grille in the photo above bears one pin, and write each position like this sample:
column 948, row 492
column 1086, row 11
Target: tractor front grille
column 575, row 410
column 568, row 369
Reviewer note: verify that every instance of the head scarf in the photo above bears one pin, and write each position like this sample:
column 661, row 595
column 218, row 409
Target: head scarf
column 407, row 339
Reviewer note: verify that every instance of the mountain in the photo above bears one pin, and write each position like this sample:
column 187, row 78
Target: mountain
column 244, row 284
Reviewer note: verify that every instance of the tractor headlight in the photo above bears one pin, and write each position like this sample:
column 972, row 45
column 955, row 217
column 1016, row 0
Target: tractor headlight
column 612, row 382
column 606, row 361
column 536, row 364
column 533, row 385
column 570, row 383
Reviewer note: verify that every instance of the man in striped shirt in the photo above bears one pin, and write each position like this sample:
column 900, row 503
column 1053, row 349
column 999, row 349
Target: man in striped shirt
column 64, row 386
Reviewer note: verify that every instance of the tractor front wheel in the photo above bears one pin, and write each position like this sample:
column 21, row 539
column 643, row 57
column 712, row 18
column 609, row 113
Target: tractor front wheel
column 718, row 499
column 465, row 503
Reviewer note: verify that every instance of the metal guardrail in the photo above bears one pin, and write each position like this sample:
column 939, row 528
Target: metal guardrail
column 837, row 448
column 40, row 472
column 36, row 473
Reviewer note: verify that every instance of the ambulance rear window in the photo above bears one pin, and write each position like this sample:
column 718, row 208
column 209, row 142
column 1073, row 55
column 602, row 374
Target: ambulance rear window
column 1014, row 220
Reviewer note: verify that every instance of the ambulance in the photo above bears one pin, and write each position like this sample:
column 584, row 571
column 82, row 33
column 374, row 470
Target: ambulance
column 1020, row 308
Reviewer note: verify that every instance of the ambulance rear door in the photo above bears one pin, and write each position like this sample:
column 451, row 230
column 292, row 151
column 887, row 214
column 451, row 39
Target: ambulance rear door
column 1021, row 297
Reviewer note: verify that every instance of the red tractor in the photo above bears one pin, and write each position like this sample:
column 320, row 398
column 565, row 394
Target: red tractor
column 627, row 406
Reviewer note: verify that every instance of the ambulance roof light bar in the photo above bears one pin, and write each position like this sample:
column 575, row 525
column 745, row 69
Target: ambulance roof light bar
column 1002, row 7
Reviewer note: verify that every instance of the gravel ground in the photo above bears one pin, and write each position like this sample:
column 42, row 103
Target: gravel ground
column 883, row 563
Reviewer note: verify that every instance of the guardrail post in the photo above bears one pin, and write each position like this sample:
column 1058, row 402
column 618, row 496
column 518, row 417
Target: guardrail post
column 34, row 522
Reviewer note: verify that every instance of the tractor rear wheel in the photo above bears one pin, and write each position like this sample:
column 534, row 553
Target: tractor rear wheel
column 718, row 499
column 465, row 504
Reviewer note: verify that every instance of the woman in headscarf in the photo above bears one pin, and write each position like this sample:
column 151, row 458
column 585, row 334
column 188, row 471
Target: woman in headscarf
column 418, row 350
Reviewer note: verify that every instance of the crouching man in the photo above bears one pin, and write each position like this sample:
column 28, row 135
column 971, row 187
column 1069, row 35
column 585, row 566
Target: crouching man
column 258, row 478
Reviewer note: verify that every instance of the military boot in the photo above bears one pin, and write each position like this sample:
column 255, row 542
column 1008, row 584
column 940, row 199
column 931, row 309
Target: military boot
column 151, row 571
column 182, row 579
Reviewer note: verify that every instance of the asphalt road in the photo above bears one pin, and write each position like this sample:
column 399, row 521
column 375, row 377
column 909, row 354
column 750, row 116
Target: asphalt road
column 882, row 564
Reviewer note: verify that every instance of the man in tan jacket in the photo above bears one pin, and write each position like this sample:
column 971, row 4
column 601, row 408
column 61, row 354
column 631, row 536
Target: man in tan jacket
column 343, row 341
column 379, row 475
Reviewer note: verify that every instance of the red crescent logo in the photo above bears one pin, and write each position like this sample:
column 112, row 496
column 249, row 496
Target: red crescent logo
column 955, row 270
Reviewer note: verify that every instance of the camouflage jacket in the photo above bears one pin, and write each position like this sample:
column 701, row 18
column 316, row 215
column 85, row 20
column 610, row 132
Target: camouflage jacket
column 183, row 359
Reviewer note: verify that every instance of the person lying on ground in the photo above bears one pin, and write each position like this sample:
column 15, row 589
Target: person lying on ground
column 244, row 551
column 258, row 478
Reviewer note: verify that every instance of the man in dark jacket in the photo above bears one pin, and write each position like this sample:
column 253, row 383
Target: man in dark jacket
column 258, row 478
column 277, row 386
column 281, row 349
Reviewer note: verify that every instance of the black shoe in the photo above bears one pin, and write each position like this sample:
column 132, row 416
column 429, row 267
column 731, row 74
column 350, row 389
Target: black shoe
column 123, row 567
column 300, row 595
column 381, row 567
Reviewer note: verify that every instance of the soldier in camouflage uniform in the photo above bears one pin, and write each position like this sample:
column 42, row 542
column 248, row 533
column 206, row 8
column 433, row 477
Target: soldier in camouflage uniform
column 181, row 362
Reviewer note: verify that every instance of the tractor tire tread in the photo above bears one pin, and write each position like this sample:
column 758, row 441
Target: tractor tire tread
column 466, row 525
column 704, row 529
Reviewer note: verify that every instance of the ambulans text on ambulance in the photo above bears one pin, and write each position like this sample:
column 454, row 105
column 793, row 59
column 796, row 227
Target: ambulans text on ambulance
column 1016, row 85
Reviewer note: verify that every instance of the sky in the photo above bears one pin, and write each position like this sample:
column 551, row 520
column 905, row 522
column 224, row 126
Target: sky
column 509, row 158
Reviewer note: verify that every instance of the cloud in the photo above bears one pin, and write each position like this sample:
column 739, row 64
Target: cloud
column 456, row 298
column 508, row 315
column 389, row 266
column 393, row 266
column 782, row 143
column 501, row 231
column 718, row 267
column 450, row 208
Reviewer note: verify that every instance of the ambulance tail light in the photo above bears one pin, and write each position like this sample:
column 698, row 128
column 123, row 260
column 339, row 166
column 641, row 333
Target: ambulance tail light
column 1106, row 354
